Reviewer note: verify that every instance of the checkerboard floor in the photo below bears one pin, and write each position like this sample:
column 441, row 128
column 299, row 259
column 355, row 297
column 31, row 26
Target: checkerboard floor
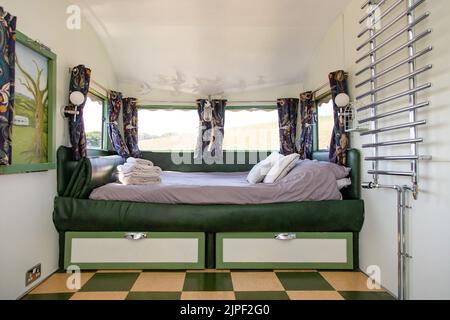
column 210, row 285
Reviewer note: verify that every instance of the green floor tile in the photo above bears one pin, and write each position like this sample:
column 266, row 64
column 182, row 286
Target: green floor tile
column 110, row 282
column 251, row 271
column 261, row 296
column 163, row 271
column 366, row 295
column 51, row 296
column 303, row 281
column 154, row 296
column 208, row 282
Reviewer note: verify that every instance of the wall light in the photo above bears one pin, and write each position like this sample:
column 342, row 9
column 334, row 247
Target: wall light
column 342, row 100
column 76, row 99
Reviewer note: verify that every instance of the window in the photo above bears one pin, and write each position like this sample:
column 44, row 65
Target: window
column 177, row 130
column 255, row 130
column 168, row 130
column 94, row 115
column 325, row 122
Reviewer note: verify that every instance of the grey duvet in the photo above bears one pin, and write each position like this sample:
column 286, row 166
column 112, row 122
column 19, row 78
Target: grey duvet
column 308, row 181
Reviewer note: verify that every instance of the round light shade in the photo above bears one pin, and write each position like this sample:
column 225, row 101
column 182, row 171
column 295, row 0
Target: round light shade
column 76, row 98
column 342, row 100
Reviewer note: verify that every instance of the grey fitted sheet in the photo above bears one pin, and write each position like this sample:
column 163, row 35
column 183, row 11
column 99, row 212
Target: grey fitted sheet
column 308, row 181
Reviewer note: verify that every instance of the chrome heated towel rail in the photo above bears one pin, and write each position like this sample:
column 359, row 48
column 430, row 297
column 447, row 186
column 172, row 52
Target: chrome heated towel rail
column 389, row 44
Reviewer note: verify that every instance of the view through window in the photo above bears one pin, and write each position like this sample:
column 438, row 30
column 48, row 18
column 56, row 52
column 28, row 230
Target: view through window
column 255, row 130
column 177, row 130
column 325, row 123
column 93, row 121
column 168, row 130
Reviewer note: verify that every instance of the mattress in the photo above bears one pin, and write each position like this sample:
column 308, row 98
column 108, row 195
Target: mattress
column 308, row 181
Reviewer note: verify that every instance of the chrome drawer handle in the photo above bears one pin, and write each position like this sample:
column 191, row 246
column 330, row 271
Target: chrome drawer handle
column 135, row 236
column 286, row 236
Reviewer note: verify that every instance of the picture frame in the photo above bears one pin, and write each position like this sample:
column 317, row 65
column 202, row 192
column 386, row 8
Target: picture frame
column 34, row 128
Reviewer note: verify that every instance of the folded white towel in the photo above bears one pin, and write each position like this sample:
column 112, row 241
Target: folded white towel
column 139, row 172
column 140, row 161
column 141, row 175
column 138, row 180
column 128, row 168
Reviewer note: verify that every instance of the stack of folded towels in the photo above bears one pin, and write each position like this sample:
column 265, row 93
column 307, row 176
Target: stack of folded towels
column 139, row 172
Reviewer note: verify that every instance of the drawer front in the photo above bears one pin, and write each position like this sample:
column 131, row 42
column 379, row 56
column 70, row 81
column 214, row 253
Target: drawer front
column 284, row 251
column 147, row 250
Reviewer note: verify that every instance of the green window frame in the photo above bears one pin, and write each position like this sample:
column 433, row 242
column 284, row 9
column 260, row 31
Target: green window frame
column 105, row 138
column 317, row 102
column 51, row 135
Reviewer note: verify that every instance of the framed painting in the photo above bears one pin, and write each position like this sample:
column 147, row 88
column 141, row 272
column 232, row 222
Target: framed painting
column 33, row 132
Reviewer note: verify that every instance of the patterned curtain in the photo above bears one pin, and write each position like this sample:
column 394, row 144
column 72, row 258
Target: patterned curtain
column 288, row 115
column 340, row 140
column 130, row 125
column 7, row 77
column 211, row 129
column 79, row 81
column 307, row 117
column 115, row 105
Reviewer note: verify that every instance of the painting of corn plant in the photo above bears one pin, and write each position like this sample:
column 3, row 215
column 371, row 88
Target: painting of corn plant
column 30, row 130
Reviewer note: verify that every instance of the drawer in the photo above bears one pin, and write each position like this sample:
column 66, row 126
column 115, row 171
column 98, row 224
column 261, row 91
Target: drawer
column 284, row 251
column 147, row 250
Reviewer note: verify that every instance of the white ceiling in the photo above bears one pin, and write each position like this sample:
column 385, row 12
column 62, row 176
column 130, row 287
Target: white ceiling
column 211, row 46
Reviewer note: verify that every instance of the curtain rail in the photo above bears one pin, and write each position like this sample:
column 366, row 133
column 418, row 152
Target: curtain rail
column 150, row 102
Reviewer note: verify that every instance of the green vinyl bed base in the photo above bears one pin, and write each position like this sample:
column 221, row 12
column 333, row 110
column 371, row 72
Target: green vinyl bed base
column 210, row 252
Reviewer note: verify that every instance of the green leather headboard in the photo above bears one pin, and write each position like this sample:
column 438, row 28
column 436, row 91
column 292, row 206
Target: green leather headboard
column 77, row 179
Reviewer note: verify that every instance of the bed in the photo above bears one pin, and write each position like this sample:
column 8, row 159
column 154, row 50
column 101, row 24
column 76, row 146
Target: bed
column 215, row 227
column 308, row 181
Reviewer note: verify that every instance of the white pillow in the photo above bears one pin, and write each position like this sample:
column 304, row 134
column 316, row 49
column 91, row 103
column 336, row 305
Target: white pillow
column 344, row 183
column 259, row 171
column 281, row 168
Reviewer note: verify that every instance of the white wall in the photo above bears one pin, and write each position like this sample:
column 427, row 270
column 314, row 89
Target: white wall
column 27, row 234
column 430, row 217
